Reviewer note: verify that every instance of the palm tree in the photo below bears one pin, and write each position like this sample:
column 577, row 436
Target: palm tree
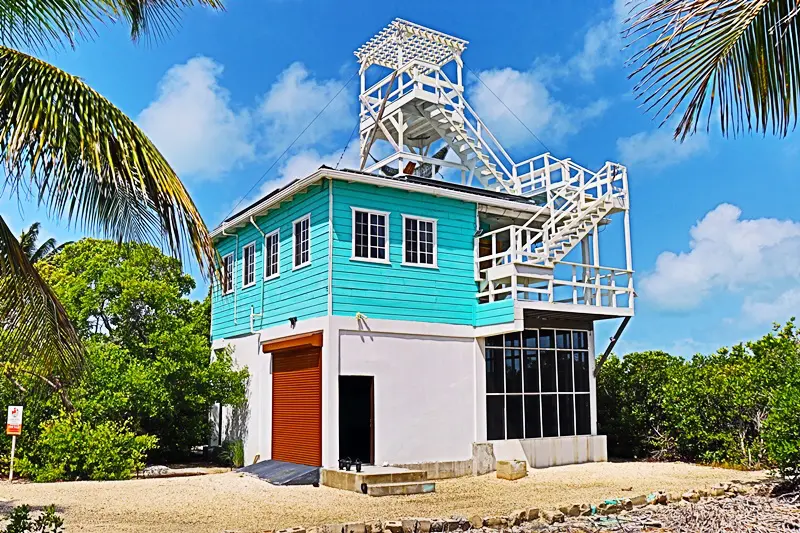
column 29, row 242
column 741, row 55
column 83, row 160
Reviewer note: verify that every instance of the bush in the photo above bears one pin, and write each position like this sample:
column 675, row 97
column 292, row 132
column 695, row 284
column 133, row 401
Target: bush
column 70, row 448
column 19, row 521
column 782, row 432
column 233, row 453
column 732, row 407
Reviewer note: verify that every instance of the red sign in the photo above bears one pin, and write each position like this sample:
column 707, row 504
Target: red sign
column 14, row 420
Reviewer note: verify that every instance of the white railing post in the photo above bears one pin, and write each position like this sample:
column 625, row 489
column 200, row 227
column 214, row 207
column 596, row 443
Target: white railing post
column 574, row 285
column 613, row 289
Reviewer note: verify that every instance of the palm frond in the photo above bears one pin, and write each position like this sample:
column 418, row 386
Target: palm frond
column 89, row 163
column 28, row 238
column 741, row 56
column 46, row 24
column 35, row 332
column 44, row 251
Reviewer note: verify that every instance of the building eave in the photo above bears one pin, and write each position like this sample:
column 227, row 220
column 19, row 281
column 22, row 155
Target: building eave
column 260, row 208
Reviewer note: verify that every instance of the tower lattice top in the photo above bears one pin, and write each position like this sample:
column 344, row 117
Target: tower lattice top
column 402, row 41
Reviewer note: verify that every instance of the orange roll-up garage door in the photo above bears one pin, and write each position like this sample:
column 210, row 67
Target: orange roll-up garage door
column 297, row 406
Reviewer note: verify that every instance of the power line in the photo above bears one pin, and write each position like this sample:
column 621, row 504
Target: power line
column 508, row 108
column 260, row 179
column 346, row 145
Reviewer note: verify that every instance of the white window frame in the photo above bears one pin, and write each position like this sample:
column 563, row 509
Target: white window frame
column 434, row 221
column 231, row 287
column 369, row 212
column 268, row 252
column 244, row 265
column 295, row 266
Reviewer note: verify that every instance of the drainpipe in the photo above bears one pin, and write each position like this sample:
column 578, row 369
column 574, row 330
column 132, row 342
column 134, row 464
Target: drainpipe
column 235, row 253
column 263, row 262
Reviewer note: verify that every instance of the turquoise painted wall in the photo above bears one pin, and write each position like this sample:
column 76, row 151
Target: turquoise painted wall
column 302, row 293
column 396, row 291
column 492, row 313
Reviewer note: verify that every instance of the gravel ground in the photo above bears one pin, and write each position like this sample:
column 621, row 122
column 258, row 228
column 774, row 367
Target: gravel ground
column 231, row 501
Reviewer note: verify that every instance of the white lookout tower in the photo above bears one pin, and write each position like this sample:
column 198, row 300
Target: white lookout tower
column 418, row 111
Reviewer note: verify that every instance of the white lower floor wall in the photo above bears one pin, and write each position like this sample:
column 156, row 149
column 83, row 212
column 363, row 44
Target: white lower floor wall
column 429, row 395
column 553, row 451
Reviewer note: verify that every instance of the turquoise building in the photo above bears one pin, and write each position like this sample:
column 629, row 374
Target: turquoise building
column 437, row 305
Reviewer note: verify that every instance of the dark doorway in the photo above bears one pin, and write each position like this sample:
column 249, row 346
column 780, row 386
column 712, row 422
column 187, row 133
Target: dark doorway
column 356, row 418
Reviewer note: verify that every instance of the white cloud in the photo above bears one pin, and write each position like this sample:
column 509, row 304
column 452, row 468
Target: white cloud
column 728, row 253
column 529, row 98
column 763, row 309
column 192, row 122
column 292, row 103
column 658, row 150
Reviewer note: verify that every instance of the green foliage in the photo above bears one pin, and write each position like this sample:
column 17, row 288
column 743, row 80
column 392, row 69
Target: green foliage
column 147, row 344
column 70, row 448
column 233, row 453
column 19, row 521
column 734, row 406
column 782, row 432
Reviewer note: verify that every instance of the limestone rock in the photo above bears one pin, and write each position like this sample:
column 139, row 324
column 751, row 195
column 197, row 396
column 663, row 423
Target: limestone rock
column 393, row 526
column 517, row 517
column 586, row 510
column 512, row 470
column 293, row 530
column 716, row 492
column 424, row 525
column 639, row 500
column 409, row 525
column 612, row 508
column 494, row 521
column 551, row 517
column 476, row 522
column 533, row 513
column 571, row 510
column 355, row 527
column 691, row 496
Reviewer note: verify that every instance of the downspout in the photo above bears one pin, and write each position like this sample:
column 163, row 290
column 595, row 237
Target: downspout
column 235, row 293
column 263, row 263
column 330, row 247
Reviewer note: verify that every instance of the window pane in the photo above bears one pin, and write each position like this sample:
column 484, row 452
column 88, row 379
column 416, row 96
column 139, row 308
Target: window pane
column 426, row 239
column 580, row 340
column 564, row 371
column 514, row 417
column 361, row 236
column 512, row 339
column 533, row 426
column 547, row 338
column 496, row 340
column 513, row 370
column 583, row 416
column 411, row 240
column 563, row 339
column 548, row 364
column 566, row 414
column 494, row 370
column 495, row 418
column 531, row 369
column 530, row 338
column 549, row 415
column 581, row 371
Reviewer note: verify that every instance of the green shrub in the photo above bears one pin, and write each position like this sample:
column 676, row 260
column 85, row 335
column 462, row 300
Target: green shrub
column 19, row 521
column 233, row 453
column 70, row 448
column 782, row 432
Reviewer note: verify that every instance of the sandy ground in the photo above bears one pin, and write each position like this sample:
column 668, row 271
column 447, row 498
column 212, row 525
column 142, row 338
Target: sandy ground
column 231, row 501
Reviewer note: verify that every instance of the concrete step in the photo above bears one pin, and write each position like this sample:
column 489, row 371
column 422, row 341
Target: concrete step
column 401, row 489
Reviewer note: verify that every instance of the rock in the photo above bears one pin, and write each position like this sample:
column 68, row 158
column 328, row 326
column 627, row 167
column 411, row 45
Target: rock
column 533, row 514
column 586, row 509
column 494, row 521
column 374, row 526
column 517, row 517
column 355, row 527
column 639, row 500
column 716, row 492
column 675, row 497
column 409, row 525
column 333, row 528
column 156, row 471
column 293, row 530
column 437, row 526
column 452, row 524
column 512, row 470
column 627, row 504
column 703, row 493
column 483, row 460
column 691, row 496
column 551, row 517
column 424, row 525
column 393, row 526
column 476, row 522
column 571, row 510
column 612, row 508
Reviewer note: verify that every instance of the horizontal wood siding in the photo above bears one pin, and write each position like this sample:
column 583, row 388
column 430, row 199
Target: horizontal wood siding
column 492, row 313
column 302, row 293
column 395, row 291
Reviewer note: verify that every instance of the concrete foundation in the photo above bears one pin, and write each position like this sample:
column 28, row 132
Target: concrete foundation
column 442, row 469
column 554, row 451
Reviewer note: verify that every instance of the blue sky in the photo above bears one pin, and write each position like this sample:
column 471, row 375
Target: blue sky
column 716, row 227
